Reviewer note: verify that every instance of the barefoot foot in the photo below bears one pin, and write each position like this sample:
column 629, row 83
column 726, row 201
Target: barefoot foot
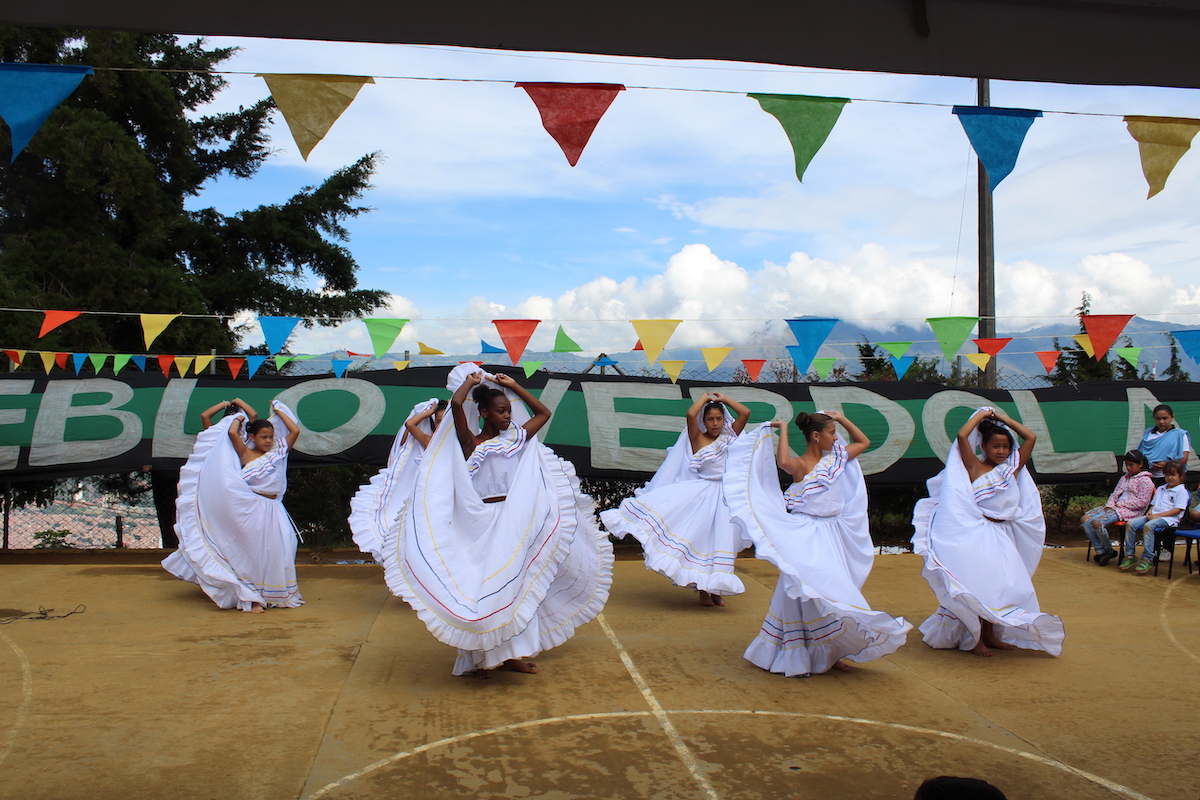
column 842, row 666
column 256, row 608
column 981, row 649
column 517, row 665
column 717, row 600
column 706, row 599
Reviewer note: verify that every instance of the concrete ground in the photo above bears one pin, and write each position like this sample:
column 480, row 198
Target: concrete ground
column 152, row 692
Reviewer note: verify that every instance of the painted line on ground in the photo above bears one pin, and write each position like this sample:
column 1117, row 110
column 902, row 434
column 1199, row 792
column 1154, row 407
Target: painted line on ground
column 1166, row 624
column 26, row 698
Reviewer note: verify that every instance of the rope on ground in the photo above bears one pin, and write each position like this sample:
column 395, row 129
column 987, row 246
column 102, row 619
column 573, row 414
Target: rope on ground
column 41, row 613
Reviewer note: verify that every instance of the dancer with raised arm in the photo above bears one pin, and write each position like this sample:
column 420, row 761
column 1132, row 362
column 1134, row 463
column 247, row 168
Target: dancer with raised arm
column 680, row 516
column 816, row 534
column 236, row 540
column 981, row 533
column 500, row 553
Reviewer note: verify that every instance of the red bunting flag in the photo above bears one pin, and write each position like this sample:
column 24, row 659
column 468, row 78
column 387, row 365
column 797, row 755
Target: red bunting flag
column 638, row 345
column 359, row 355
column 991, row 346
column 753, row 366
column 61, row 359
column 165, row 363
column 571, row 111
column 55, row 318
column 235, row 366
column 1103, row 330
column 476, row 363
column 515, row 334
column 17, row 356
column 1049, row 358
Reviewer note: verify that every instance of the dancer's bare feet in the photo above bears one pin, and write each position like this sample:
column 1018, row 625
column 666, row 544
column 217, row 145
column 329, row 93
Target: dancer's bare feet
column 517, row 665
column 981, row 649
column 717, row 600
column 987, row 637
column 842, row 666
column 707, row 599
column 256, row 608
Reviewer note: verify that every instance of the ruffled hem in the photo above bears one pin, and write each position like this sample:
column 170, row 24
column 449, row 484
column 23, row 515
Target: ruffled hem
column 522, row 646
column 364, row 529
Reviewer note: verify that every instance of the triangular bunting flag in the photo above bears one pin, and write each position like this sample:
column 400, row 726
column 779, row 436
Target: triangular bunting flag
column 1188, row 340
column 310, row 104
column 400, row 365
column 713, row 356
column 139, row 362
column 1162, row 141
column 281, row 360
column 979, row 359
column 1130, row 354
column 478, row 363
column 484, row 347
column 235, row 366
column 531, row 367
column 17, row 356
column 822, row 366
column 638, row 345
column 201, row 363
column 901, row 365
column 97, row 360
column 47, row 361
column 1085, row 341
column 951, row 332
column 165, row 362
column 339, row 366
column 252, row 365
column 898, row 349
column 359, row 355
column 55, row 318
column 1048, row 358
column 78, row 360
column 276, row 331
column 183, row 364
column 1103, row 330
column 810, row 334
column 119, row 362
column 991, row 346
column 753, row 367
column 154, row 324
column 29, row 93
column 383, row 333
column 806, row 120
column 515, row 333
column 654, row 334
column 426, row 350
column 673, row 369
column 605, row 361
column 564, row 343
column 997, row 135
column 61, row 359
column 571, row 111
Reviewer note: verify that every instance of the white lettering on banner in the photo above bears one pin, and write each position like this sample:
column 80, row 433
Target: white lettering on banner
column 1045, row 459
column 1139, row 401
column 751, row 394
column 605, row 424
column 553, row 393
column 901, row 428
column 12, row 416
column 49, row 446
column 371, row 405
column 169, row 439
column 933, row 417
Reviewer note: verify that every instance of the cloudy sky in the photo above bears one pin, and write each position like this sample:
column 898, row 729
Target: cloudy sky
column 685, row 204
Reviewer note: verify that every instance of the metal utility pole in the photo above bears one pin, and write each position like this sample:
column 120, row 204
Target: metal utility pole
column 987, row 251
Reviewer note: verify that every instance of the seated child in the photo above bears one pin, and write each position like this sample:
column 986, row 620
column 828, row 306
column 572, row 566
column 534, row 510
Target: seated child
column 1170, row 501
column 1128, row 500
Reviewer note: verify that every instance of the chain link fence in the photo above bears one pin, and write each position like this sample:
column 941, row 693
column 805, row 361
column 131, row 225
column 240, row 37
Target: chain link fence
column 79, row 515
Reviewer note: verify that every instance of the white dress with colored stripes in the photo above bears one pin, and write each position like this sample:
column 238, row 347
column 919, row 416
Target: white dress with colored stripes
column 816, row 534
column 500, row 580
column 981, row 543
column 238, row 545
column 681, row 519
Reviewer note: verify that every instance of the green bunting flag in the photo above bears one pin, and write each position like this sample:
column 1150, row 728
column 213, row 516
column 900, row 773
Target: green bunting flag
column 1130, row 354
column 806, row 120
column 383, row 333
column 564, row 343
column 951, row 332
column 822, row 366
column 898, row 349
column 531, row 367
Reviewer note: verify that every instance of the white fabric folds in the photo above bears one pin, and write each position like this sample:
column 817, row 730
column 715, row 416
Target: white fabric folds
column 238, row 545
column 823, row 550
column 507, row 579
column 981, row 543
column 681, row 519
column 374, row 507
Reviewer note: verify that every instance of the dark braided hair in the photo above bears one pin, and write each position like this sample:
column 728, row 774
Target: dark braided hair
column 989, row 428
column 812, row 423
column 483, row 395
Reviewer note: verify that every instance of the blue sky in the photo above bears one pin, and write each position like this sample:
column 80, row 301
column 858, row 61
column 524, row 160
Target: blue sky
column 685, row 203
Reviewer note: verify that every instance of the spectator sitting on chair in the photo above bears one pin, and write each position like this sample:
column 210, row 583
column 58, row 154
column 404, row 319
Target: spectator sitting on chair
column 1128, row 501
column 1170, row 501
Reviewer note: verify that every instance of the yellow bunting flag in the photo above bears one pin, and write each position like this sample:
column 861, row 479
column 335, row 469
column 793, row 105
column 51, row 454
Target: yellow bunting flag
column 1162, row 141
column 399, row 365
column 154, row 324
column 713, row 356
column 201, row 363
column 182, row 364
column 17, row 356
column 653, row 334
column 312, row 103
column 426, row 350
column 979, row 359
column 1085, row 342
column 673, row 369
column 47, row 361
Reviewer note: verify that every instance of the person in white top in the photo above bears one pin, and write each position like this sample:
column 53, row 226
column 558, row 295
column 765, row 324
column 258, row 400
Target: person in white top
column 1170, row 501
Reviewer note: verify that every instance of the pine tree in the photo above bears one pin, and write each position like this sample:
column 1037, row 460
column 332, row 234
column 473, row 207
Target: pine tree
column 1175, row 370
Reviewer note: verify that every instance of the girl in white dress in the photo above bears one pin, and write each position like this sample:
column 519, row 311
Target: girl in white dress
column 375, row 506
column 236, row 540
column 680, row 516
column 981, row 533
column 816, row 534
column 500, row 554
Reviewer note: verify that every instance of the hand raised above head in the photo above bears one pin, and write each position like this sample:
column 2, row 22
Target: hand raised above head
column 506, row 381
column 473, row 378
column 778, row 424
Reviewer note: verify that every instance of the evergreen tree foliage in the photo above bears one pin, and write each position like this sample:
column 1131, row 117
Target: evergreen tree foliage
column 1075, row 365
column 1175, row 370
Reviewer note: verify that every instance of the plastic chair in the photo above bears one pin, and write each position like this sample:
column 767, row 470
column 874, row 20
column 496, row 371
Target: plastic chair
column 1189, row 535
column 1166, row 538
